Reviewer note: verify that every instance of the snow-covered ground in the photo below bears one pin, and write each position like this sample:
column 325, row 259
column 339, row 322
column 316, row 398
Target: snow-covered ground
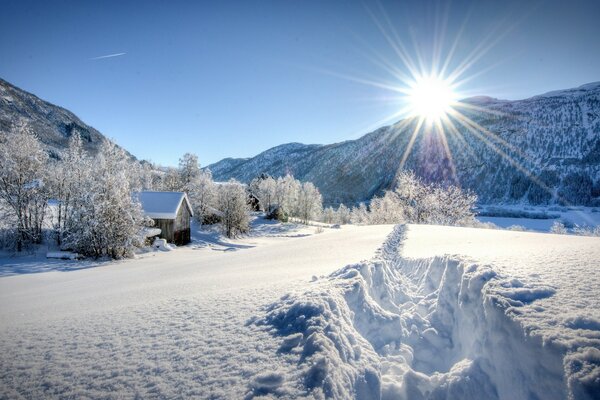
column 167, row 324
column 448, row 313
column 434, row 313
column 546, row 216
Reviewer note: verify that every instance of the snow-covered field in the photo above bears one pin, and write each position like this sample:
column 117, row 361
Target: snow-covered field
column 168, row 324
column 435, row 312
column 451, row 313
column 546, row 216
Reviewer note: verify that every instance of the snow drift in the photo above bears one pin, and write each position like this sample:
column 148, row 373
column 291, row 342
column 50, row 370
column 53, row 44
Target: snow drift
column 427, row 328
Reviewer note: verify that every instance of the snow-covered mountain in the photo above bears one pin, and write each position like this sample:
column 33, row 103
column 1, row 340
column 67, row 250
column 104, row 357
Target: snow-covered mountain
column 52, row 124
column 513, row 151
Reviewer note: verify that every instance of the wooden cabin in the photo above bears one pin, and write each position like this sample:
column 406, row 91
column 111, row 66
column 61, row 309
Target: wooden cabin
column 171, row 212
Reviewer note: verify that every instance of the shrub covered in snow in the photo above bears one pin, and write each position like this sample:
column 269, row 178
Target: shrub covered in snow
column 586, row 230
column 559, row 228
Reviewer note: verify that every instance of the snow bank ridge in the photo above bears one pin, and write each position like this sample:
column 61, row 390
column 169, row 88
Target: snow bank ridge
column 434, row 328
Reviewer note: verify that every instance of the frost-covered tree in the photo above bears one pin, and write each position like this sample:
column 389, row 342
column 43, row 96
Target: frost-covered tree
column 413, row 201
column 170, row 180
column 386, row 210
column 264, row 189
column 411, row 196
column 343, row 214
column 22, row 184
column 68, row 176
column 359, row 215
column 328, row 216
column 233, row 204
column 107, row 220
column 559, row 228
column 189, row 169
column 286, row 195
column 143, row 176
column 309, row 203
column 451, row 206
column 586, row 230
column 202, row 192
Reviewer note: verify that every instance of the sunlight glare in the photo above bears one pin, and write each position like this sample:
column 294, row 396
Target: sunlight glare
column 431, row 98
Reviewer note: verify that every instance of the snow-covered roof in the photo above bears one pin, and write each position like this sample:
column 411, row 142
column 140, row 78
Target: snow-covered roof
column 163, row 205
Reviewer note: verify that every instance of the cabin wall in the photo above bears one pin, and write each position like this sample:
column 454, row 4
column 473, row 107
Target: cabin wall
column 166, row 227
column 182, row 232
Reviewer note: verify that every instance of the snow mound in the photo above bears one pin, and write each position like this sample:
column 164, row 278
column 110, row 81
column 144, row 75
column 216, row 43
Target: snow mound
column 161, row 244
column 63, row 255
column 428, row 328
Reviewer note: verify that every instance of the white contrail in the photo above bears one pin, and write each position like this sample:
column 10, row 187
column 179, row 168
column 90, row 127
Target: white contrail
column 108, row 56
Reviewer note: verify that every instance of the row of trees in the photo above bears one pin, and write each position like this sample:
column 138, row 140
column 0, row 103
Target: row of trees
column 84, row 202
column 94, row 212
column 411, row 201
column 286, row 197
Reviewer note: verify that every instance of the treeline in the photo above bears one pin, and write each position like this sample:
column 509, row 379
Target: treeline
column 410, row 201
column 82, row 202
column 87, row 204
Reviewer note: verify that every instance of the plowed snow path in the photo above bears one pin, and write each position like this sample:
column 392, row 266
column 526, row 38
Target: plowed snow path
column 166, row 325
column 446, row 313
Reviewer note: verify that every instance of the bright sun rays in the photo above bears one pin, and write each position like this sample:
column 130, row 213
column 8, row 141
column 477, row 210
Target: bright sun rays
column 429, row 91
column 431, row 97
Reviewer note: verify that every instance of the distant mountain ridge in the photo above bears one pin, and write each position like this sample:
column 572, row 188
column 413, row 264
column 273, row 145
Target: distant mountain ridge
column 519, row 150
column 52, row 124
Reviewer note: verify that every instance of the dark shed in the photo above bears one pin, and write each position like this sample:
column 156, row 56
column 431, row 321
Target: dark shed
column 171, row 212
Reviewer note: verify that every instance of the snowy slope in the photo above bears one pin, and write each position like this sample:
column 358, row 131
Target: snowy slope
column 167, row 325
column 507, row 315
column 52, row 124
column 551, row 136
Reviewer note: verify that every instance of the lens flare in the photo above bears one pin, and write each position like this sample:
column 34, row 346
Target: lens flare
column 431, row 97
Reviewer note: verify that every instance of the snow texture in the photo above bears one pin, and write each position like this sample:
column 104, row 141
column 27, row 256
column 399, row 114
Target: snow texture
column 63, row 255
column 513, row 316
column 507, row 315
column 166, row 324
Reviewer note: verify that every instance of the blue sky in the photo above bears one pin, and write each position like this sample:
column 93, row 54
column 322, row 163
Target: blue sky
column 231, row 79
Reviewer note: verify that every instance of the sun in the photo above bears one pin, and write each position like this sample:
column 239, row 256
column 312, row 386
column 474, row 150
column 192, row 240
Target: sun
column 430, row 98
